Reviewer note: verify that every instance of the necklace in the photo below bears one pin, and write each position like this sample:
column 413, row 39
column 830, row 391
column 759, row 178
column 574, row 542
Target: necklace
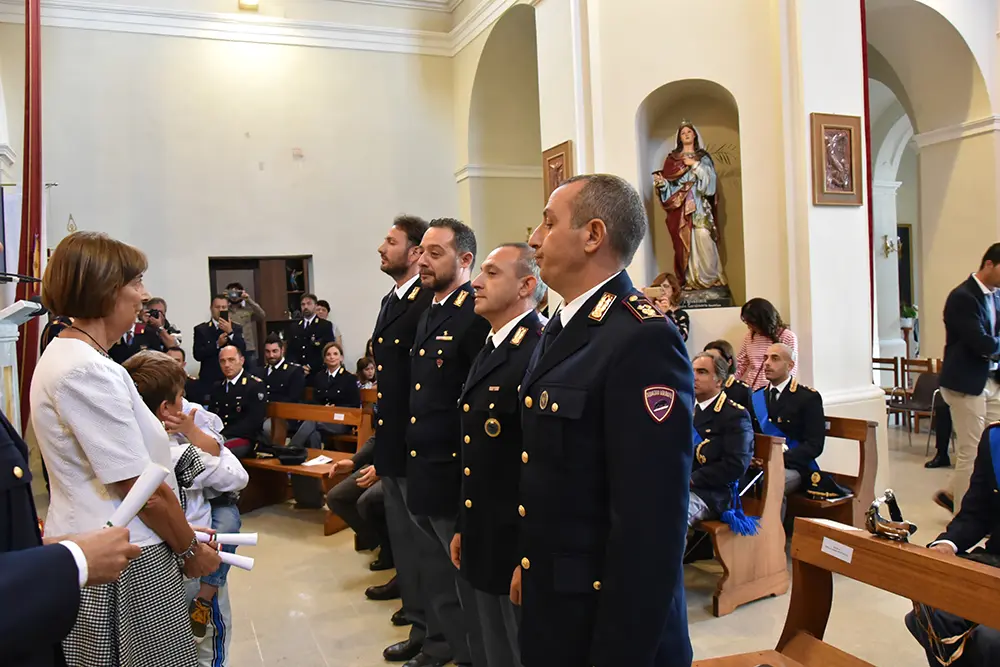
column 99, row 347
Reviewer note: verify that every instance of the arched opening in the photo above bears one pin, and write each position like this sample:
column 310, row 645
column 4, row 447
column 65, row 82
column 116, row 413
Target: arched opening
column 505, row 134
column 712, row 110
column 945, row 197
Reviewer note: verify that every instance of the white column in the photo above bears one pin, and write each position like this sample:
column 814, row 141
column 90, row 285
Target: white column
column 890, row 339
column 828, row 246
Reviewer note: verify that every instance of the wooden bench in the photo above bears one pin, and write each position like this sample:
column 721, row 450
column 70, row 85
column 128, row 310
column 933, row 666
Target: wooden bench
column 280, row 413
column 964, row 588
column 269, row 484
column 850, row 510
column 754, row 567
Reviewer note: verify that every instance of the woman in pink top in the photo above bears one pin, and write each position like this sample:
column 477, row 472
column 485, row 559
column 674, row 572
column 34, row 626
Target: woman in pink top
column 765, row 329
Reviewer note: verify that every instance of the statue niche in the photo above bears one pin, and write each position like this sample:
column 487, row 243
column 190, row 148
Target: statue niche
column 686, row 186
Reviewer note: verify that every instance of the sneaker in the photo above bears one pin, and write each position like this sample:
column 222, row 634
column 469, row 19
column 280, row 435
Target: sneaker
column 201, row 614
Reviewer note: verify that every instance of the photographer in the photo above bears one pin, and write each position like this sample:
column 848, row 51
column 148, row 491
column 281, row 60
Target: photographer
column 243, row 311
column 154, row 316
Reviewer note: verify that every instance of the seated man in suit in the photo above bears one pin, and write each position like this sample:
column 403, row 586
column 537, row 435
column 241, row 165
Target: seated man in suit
column 789, row 410
column 723, row 445
column 210, row 337
column 240, row 400
column 737, row 390
column 978, row 517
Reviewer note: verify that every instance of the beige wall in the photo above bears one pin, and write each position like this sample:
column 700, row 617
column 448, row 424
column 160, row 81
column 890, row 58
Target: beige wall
column 184, row 148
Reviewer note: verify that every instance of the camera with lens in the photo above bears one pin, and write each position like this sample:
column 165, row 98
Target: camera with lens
column 155, row 313
column 234, row 295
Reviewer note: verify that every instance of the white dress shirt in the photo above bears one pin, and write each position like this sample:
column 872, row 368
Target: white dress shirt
column 704, row 404
column 83, row 570
column 779, row 387
column 436, row 302
column 502, row 335
column 405, row 287
column 570, row 309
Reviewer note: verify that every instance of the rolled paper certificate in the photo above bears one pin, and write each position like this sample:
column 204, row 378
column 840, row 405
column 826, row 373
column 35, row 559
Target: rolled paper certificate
column 236, row 560
column 136, row 498
column 229, row 539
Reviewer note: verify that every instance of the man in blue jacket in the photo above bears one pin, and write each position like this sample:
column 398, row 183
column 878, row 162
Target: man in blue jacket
column 40, row 585
column 969, row 380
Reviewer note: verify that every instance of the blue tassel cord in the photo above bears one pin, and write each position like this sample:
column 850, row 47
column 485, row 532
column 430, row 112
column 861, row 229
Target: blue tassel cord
column 738, row 522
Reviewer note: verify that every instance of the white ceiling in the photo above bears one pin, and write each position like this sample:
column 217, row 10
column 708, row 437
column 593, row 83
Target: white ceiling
column 432, row 5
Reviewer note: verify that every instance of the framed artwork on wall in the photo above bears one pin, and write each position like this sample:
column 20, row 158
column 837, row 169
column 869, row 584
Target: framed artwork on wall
column 836, row 160
column 557, row 166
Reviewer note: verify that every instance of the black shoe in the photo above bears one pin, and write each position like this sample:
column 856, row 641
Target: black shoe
column 403, row 651
column 939, row 461
column 399, row 619
column 422, row 660
column 381, row 563
column 945, row 500
column 387, row 591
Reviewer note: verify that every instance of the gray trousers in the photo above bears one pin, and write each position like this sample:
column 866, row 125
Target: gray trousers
column 499, row 621
column 445, row 591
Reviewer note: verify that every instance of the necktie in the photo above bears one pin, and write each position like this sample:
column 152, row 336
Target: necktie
column 228, row 384
column 269, row 369
column 128, row 338
column 773, row 395
column 553, row 329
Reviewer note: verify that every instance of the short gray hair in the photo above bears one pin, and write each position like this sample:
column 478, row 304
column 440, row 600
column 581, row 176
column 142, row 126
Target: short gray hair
column 788, row 351
column 526, row 265
column 720, row 365
column 613, row 200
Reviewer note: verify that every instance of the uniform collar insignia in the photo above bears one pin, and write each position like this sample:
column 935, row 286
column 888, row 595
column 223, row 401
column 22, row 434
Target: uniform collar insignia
column 794, row 385
column 602, row 307
column 729, row 382
column 285, row 367
column 719, row 403
column 460, row 299
column 518, row 336
column 244, row 381
column 413, row 293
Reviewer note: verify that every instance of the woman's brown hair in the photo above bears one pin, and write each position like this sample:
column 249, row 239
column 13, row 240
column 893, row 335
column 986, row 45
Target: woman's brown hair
column 86, row 272
column 157, row 377
column 337, row 345
column 675, row 287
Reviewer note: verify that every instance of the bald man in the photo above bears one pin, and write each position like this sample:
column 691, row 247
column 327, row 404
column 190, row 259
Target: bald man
column 240, row 399
column 787, row 409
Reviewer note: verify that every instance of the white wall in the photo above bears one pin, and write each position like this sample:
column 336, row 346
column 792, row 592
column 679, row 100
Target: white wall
column 184, row 148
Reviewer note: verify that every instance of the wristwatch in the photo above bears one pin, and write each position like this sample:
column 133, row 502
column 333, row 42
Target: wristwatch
column 189, row 554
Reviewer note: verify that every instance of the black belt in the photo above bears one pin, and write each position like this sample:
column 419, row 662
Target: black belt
column 223, row 501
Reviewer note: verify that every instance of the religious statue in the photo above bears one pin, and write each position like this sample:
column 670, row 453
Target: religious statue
column 686, row 187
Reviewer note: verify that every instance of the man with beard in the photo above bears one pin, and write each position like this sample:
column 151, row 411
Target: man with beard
column 391, row 342
column 607, row 419
column 307, row 338
column 449, row 337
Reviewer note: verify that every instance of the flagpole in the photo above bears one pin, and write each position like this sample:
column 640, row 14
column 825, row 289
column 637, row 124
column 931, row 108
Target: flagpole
column 29, row 260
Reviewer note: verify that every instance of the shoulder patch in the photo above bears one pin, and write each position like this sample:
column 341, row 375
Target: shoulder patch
column 414, row 293
column 460, row 299
column 659, row 400
column 642, row 308
column 518, row 336
column 602, row 307
column 719, row 403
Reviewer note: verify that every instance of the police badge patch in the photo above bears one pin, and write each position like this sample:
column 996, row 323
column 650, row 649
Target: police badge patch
column 659, row 400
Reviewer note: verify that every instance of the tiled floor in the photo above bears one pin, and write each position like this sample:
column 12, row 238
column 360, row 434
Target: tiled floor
column 303, row 605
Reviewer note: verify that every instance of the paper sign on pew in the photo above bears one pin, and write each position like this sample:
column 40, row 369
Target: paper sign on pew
column 318, row 461
column 837, row 550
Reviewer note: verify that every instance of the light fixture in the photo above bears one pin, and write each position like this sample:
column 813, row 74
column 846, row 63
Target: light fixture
column 249, row 5
column 889, row 246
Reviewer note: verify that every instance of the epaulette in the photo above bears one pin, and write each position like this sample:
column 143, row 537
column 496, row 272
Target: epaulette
column 603, row 306
column 736, row 405
column 460, row 299
column 254, row 377
column 642, row 308
column 719, row 403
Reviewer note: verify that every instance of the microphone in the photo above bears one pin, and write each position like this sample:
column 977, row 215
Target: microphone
column 11, row 277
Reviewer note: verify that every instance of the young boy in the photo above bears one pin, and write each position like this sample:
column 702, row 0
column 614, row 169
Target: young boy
column 210, row 478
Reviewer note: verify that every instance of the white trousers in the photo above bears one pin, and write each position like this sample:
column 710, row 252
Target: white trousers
column 969, row 416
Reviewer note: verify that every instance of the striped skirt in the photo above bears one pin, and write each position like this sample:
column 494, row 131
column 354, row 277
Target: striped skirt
column 141, row 620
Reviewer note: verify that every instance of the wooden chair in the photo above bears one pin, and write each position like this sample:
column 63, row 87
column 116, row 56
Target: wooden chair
column 910, row 369
column 887, row 365
column 754, row 567
column 964, row 588
column 850, row 510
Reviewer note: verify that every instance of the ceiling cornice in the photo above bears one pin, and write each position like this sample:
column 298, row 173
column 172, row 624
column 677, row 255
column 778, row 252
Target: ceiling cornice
column 447, row 6
column 262, row 29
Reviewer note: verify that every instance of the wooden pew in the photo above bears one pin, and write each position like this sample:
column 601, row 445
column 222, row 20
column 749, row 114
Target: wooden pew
column 850, row 510
column 964, row 588
column 269, row 483
column 754, row 567
column 280, row 413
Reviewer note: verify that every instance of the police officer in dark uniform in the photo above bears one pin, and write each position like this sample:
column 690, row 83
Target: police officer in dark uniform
column 737, row 390
column 286, row 381
column 723, row 444
column 307, row 337
column 449, row 337
column 194, row 391
column 212, row 336
column 485, row 546
column 391, row 342
column 240, row 400
column 607, row 419
column 140, row 338
column 787, row 409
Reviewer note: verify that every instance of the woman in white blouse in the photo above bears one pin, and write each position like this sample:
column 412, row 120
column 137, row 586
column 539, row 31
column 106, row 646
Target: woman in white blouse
column 97, row 436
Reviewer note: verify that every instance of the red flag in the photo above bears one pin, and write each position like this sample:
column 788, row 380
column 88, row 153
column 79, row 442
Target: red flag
column 29, row 261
